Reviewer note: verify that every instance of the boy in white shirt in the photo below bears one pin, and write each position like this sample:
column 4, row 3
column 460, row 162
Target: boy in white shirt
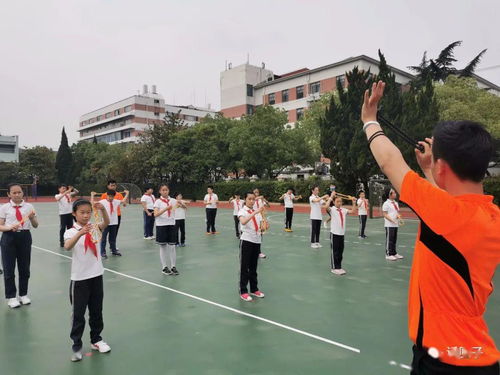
column 251, row 239
column 16, row 219
column 111, row 205
column 211, row 199
column 363, row 206
column 288, row 198
column 166, row 231
column 337, row 231
column 86, row 289
column 65, row 202
column 316, row 216
column 237, row 206
column 148, row 201
column 180, row 219
column 390, row 208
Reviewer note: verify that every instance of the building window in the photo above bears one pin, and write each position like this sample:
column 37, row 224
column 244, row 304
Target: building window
column 108, row 115
column 157, row 101
column 315, row 87
column 7, row 149
column 98, row 118
column 249, row 109
column 190, row 118
column 126, row 133
column 300, row 92
column 117, row 112
column 284, row 95
column 249, row 90
column 157, row 113
column 128, row 108
column 300, row 113
column 341, row 80
column 271, row 98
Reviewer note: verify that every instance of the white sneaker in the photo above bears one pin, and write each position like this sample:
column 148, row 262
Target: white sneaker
column 76, row 356
column 390, row 257
column 325, row 225
column 24, row 300
column 398, row 256
column 13, row 303
column 262, row 255
column 338, row 271
column 342, row 271
column 151, row 238
column 313, row 245
column 146, row 238
column 101, row 346
column 318, row 244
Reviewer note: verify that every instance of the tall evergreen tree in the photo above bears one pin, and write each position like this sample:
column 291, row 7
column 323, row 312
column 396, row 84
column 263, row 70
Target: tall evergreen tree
column 64, row 161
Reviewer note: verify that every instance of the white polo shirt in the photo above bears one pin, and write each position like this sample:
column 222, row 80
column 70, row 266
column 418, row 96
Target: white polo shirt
column 251, row 230
column 362, row 206
column 339, row 220
column 288, row 198
column 168, row 217
column 180, row 213
column 212, row 199
column 8, row 213
column 84, row 264
column 65, row 203
column 392, row 209
column 149, row 200
column 316, row 208
column 113, row 216
column 237, row 206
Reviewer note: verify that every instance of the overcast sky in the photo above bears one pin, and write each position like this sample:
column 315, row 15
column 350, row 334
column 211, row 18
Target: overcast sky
column 62, row 58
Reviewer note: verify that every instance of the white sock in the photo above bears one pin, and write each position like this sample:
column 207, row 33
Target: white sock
column 163, row 255
column 172, row 254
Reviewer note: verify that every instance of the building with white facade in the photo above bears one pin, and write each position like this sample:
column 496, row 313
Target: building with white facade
column 125, row 120
column 245, row 87
column 9, row 148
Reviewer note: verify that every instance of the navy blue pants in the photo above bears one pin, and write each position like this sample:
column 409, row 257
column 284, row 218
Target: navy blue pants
column 16, row 248
column 149, row 223
column 110, row 230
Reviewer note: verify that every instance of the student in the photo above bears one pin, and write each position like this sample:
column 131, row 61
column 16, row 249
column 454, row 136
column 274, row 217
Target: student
column 338, row 216
column 16, row 219
column 112, row 185
column 211, row 199
column 251, row 239
column 457, row 249
column 363, row 205
column 237, row 206
column 260, row 202
column 288, row 198
column 166, row 232
column 390, row 208
column 86, row 288
column 148, row 201
column 180, row 219
column 111, row 206
column 64, row 201
column 316, row 217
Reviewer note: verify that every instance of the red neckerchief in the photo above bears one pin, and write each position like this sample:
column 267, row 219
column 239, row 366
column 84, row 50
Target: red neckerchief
column 167, row 201
column 237, row 204
column 254, row 220
column 111, row 208
column 88, row 242
column 395, row 205
column 341, row 217
column 152, row 198
column 68, row 198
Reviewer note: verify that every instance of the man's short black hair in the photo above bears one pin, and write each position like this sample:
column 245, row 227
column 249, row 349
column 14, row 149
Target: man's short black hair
column 111, row 182
column 466, row 146
column 210, row 187
column 111, row 193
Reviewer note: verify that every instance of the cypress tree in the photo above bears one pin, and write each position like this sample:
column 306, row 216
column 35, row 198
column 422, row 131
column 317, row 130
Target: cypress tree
column 64, row 160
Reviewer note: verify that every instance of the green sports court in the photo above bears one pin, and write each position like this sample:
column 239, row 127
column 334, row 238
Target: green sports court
column 310, row 322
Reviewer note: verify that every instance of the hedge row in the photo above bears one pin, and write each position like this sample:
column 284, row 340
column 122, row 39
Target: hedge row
column 492, row 187
column 272, row 190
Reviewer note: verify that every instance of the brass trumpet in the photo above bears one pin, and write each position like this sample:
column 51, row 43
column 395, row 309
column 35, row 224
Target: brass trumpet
column 264, row 225
column 344, row 196
column 95, row 232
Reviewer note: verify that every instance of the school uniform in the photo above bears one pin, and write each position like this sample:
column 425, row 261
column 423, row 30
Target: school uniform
column 259, row 202
column 362, row 215
column 16, row 248
column 65, row 205
column 250, row 242
column 149, row 221
column 211, row 211
column 118, row 196
column 86, row 288
column 180, row 224
column 391, row 229
column 165, row 223
column 112, row 228
column 316, row 218
column 337, row 232
column 237, row 206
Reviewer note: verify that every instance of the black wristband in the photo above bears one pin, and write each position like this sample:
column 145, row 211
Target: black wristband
column 375, row 135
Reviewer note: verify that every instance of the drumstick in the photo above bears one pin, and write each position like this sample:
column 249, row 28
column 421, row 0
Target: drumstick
column 400, row 133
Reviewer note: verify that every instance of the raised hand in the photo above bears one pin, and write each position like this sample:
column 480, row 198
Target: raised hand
column 424, row 159
column 370, row 103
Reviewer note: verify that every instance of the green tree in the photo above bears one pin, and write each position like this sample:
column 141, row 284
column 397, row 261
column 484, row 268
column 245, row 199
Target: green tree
column 40, row 161
column 64, row 161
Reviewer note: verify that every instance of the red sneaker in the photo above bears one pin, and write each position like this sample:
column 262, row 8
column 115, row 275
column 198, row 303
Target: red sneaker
column 246, row 297
column 258, row 294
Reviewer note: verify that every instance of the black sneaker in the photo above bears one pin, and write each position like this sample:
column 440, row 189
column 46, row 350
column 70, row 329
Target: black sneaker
column 104, row 256
column 174, row 271
column 116, row 253
column 167, row 271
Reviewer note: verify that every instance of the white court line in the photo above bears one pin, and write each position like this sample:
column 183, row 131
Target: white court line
column 272, row 322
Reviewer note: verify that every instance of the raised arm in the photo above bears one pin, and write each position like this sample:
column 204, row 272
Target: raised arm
column 245, row 219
